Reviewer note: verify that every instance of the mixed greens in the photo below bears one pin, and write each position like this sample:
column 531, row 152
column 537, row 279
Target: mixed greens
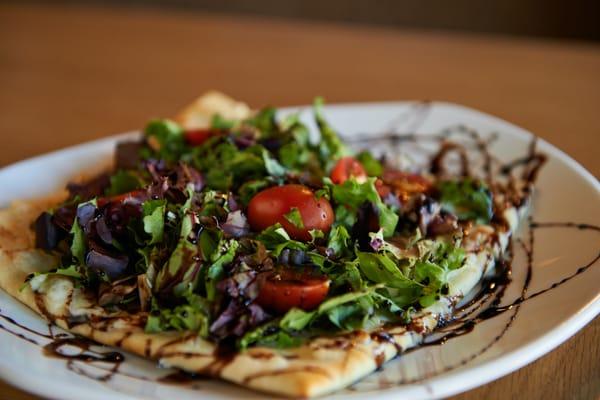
column 251, row 233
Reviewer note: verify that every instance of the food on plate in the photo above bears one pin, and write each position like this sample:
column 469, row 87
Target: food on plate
column 231, row 243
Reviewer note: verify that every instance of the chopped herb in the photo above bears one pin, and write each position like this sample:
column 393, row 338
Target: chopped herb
column 295, row 218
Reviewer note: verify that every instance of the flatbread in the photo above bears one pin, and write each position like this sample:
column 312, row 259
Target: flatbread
column 321, row 366
column 199, row 113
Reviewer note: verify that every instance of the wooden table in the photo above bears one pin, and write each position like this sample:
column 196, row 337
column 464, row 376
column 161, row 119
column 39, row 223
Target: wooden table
column 70, row 74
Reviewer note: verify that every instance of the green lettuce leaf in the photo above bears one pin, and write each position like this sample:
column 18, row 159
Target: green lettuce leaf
column 179, row 271
column 193, row 316
column 154, row 219
column 272, row 165
column 351, row 194
column 78, row 246
column 331, row 146
column 295, row 218
column 269, row 335
column 264, row 121
column 275, row 239
column 372, row 166
column 224, row 255
column 380, row 268
column 168, row 135
column 339, row 240
column 122, row 182
column 297, row 319
column 218, row 122
column 36, row 278
column 467, row 199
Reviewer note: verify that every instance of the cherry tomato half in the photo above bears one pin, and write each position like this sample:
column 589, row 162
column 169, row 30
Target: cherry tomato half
column 196, row 137
column 347, row 167
column 286, row 289
column 271, row 205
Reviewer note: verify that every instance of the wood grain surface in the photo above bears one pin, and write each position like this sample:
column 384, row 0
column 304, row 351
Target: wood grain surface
column 69, row 74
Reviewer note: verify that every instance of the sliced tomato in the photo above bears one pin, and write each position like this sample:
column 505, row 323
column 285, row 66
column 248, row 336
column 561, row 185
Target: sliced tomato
column 287, row 289
column 348, row 167
column 196, row 137
column 271, row 206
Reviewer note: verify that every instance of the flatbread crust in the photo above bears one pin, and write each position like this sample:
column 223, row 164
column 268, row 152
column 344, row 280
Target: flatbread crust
column 321, row 366
column 199, row 113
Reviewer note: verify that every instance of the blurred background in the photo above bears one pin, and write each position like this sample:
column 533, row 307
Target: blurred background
column 89, row 68
column 73, row 71
column 577, row 19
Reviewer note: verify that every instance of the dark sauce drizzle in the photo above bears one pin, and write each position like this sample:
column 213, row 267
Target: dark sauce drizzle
column 76, row 368
column 494, row 288
column 19, row 335
column 479, row 309
column 59, row 342
column 23, row 327
column 56, row 349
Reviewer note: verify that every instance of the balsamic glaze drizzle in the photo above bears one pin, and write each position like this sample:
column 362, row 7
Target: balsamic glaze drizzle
column 23, row 327
column 19, row 335
column 495, row 289
column 59, row 342
column 56, row 349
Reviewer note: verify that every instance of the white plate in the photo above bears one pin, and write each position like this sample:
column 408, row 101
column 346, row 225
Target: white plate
column 566, row 193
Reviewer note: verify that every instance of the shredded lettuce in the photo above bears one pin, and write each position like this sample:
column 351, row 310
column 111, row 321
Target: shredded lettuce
column 78, row 246
column 273, row 167
column 166, row 139
column 276, row 239
column 154, row 215
column 123, row 181
column 372, row 166
column 331, row 146
column 224, row 255
column 295, row 218
column 218, row 122
column 200, row 274
column 467, row 199
column 192, row 316
column 339, row 240
column 351, row 195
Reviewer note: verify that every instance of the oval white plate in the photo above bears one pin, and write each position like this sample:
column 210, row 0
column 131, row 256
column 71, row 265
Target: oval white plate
column 565, row 193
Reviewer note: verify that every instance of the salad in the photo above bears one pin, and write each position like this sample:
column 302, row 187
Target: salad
column 252, row 233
